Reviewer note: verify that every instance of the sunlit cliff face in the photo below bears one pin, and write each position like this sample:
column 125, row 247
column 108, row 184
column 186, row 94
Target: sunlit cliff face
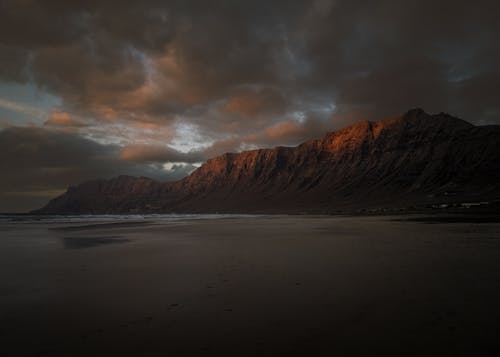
column 95, row 89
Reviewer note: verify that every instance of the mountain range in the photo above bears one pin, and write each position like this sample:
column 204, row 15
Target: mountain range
column 410, row 161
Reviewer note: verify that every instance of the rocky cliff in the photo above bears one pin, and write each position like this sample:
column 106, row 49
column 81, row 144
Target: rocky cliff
column 415, row 159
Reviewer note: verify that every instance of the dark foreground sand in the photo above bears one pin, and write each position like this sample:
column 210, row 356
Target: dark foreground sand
column 251, row 287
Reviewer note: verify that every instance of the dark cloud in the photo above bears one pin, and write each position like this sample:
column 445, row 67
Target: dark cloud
column 159, row 58
column 14, row 63
column 37, row 163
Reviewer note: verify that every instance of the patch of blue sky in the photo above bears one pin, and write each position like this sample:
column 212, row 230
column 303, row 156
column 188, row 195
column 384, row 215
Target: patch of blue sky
column 23, row 104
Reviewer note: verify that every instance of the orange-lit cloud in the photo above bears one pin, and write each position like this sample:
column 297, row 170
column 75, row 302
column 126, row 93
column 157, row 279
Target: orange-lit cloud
column 156, row 153
column 252, row 103
column 245, row 104
column 59, row 118
column 64, row 121
column 286, row 129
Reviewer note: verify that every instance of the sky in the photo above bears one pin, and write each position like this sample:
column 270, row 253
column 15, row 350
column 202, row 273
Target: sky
column 94, row 89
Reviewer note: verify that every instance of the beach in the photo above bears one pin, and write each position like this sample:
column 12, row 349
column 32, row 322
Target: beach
column 249, row 286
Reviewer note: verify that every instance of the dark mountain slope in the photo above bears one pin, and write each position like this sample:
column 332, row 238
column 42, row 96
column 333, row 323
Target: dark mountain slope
column 414, row 159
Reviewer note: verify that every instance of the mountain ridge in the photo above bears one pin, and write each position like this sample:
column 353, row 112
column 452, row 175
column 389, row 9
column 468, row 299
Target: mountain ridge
column 413, row 159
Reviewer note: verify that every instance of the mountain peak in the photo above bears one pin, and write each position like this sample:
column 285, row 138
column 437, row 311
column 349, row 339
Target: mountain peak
column 411, row 123
column 417, row 120
column 415, row 113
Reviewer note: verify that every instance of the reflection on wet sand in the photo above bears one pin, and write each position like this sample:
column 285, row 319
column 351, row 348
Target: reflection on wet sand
column 102, row 226
column 89, row 242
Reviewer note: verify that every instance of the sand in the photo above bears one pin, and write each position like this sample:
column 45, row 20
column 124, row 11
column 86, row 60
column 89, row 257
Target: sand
column 250, row 286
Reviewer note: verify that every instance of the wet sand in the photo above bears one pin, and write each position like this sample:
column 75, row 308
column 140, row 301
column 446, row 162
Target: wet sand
column 250, row 286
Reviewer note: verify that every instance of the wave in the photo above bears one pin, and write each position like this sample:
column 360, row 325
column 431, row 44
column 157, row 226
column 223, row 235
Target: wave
column 109, row 218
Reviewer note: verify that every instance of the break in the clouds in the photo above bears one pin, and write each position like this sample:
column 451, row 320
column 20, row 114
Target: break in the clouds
column 152, row 87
